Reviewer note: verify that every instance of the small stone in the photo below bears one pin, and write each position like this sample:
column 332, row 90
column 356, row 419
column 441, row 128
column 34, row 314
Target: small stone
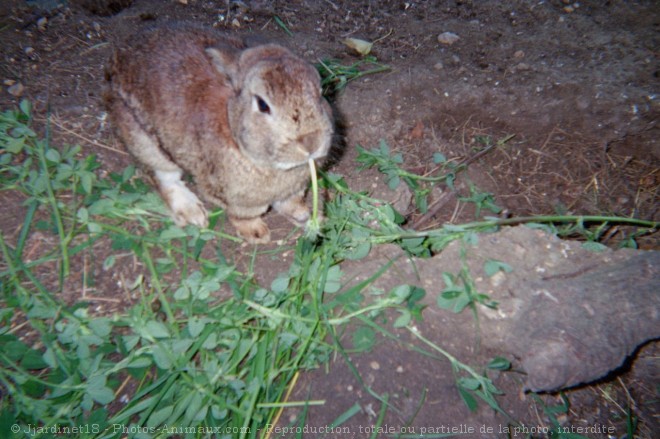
column 519, row 54
column 399, row 369
column 16, row 89
column 97, row 27
column 448, row 38
column 374, row 365
column 235, row 23
column 438, row 66
column 9, row 82
column 569, row 9
column 41, row 23
column 497, row 279
column 522, row 67
column 28, row 50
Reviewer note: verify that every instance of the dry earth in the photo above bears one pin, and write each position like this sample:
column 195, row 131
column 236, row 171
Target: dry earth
column 575, row 83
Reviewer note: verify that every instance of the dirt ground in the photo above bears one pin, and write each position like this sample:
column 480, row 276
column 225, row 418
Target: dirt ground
column 575, row 83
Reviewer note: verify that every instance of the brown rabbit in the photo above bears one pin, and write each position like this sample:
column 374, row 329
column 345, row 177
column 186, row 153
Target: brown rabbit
column 243, row 122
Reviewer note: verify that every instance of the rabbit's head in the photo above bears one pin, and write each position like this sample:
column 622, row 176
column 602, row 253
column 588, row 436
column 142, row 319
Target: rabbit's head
column 277, row 115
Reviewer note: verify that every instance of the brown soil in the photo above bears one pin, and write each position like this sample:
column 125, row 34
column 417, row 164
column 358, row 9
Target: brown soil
column 575, row 83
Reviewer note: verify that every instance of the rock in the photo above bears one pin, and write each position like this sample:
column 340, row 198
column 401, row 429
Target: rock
column 16, row 89
column 448, row 38
column 522, row 67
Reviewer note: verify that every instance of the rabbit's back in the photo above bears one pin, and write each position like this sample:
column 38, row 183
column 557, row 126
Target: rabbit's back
column 169, row 84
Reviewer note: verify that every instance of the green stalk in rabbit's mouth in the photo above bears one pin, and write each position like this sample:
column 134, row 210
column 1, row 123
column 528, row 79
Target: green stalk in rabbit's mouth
column 313, row 226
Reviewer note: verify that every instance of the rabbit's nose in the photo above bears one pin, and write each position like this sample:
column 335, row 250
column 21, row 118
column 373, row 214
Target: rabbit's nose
column 313, row 144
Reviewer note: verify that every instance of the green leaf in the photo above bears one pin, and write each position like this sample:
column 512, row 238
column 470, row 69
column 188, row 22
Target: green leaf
column 393, row 182
column 128, row 173
column 25, row 107
column 468, row 399
column 469, row 383
column 401, row 293
column 162, row 357
column 182, row 293
column 102, row 395
column 333, row 280
column 280, row 284
column 384, row 148
column 196, row 326
column 403, row 320
column 33, row 360
column 499, row 363
column 438, row 158
column 98, row 391
column 492, row 266
column 461, row 302
column 179, row 347
column 50, row 358
column 101, row 326
column 86, row 180
column 193, row 408
column 359, row 251
column 53, row 155
column 156, row 329
column 172, row 232
column 94, row 227
column 15, row 146
column 140, row 362
column 109, row 262
column 14, row 350
column 595, row 247
column 363, row 339
column 451, row 294
column 160, row 416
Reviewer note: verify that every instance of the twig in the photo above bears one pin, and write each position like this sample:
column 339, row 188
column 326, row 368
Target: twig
column 88, row 140
column 447, row 196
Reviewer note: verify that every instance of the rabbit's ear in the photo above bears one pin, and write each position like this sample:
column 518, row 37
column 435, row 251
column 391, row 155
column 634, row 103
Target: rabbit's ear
column 225, row 63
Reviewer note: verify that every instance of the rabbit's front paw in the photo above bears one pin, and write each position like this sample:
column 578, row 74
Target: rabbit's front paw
column 294, row 209
column 186, row 208
column 253, row 230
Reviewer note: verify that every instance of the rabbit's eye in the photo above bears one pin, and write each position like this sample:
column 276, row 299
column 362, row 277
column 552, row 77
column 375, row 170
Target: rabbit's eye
column 263, row 106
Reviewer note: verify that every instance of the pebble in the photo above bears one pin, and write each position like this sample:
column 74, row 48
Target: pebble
column 374, row 365
column 519, row 54
column 448, row 38
column 41, row 23
column 522, row 67
column 16, row 89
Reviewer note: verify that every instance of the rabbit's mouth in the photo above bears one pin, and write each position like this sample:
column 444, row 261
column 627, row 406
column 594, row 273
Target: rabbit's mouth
column 302, row 158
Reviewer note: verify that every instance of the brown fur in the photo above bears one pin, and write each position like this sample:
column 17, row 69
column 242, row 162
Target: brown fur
column 183, row 97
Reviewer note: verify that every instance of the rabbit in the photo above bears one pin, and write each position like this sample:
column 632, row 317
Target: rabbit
column 242, row 121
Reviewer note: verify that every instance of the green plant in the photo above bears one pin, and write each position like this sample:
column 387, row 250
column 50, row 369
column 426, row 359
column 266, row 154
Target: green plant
column 196, row 361
column 390, row 164
column 335, row 75
column 183, row 354
column 460, row 292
